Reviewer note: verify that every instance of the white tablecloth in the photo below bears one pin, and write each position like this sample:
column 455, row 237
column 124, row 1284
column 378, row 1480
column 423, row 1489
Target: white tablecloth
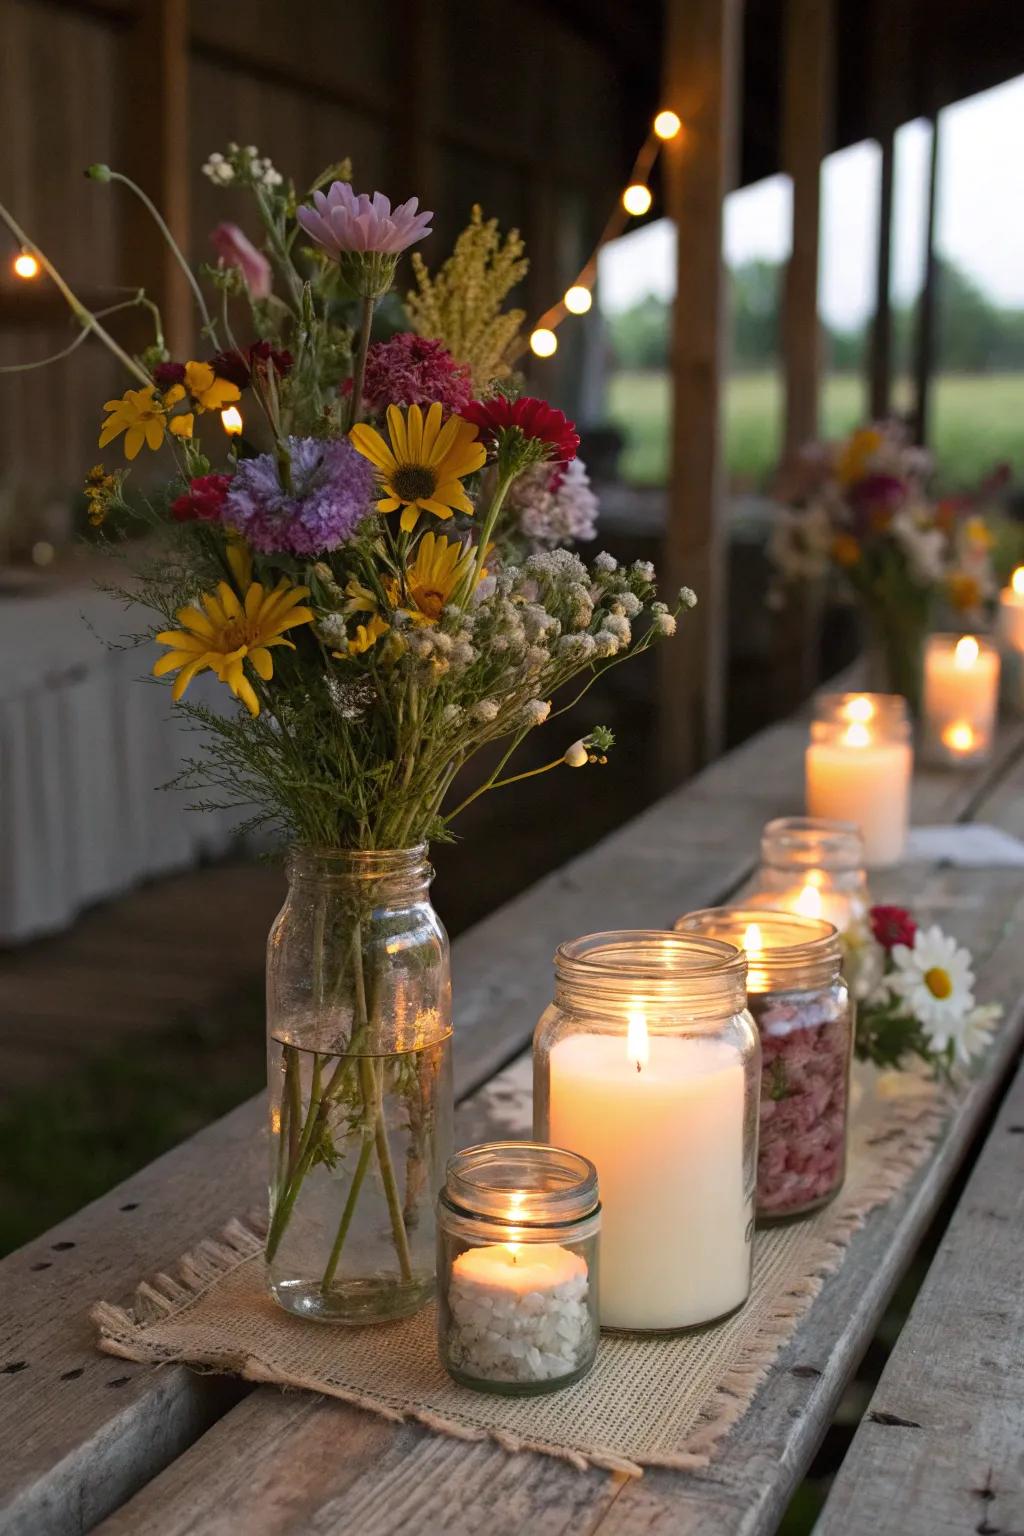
column 85, row 743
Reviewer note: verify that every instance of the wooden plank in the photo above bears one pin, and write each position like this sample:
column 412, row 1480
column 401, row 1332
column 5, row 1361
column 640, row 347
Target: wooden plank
column 924, row 341
column 807, row 112
column 939, row 1448
column 76, row 1447
column 702, row 65
column 278, row 1465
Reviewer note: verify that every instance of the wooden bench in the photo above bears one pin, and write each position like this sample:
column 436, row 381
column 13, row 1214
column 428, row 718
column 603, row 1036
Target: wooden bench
column 93, row 1442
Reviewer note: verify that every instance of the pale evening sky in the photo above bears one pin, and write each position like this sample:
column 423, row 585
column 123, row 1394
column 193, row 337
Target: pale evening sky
column 980, row 216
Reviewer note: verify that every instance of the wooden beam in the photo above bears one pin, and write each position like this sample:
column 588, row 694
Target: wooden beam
column 155, row 153
column 702, row 71
column 807, row 113
column 924, row 350
column 880, row 359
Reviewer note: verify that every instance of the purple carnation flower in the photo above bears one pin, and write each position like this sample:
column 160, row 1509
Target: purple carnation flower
column 332, row 487
column 342, row 220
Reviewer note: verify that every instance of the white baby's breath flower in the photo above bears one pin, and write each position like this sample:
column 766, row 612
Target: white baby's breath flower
column 935, row 980
column 688, row 597
column 451, row 715
column 577, row 755
column 485, row 710
column 605, row 644
column 537, row 710
column 664, row 624
column 629, row 603
column 605, row 562
column 618, row 626
column 644, row 569
column 535, row 658
column 331, row 629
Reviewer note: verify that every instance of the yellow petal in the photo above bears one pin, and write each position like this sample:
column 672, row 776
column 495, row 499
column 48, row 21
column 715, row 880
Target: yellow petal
column 182, row 426
column 263, row 662
column 133, row 441
column 154, row 430
column 409, row 518
column 431, row 429
column 173, row 395
column 228, row 600
column 415, row 436
column 430, row 504
column 110, row 430
column 397, row 431
column 372, row 446
column 240, row 562
column 388, row 504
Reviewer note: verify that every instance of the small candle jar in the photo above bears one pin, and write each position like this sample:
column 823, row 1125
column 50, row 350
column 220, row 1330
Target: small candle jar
column 858, row 769
column 812, row 867
column 802, row 1007
column 1010, row 630
column 517, row 1268
column 961, row 696
column 648, row 1063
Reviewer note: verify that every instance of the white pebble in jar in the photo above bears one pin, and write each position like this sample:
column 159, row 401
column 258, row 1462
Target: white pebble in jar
column 519, row 1313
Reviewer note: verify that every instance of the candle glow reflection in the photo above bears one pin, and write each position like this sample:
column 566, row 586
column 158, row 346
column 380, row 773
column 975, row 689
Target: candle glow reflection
column 638, row 1045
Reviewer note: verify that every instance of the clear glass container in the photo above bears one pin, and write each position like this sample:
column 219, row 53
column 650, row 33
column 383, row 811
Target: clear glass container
column 961, row 699
column 359, row 1032
column 812, row 867
column 805, row 1016
column 648, row 1064
column 858, row 769
column 517, row 1268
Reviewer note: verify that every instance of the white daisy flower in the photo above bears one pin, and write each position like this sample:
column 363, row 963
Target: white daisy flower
column 936, row 981
column 976, row 1032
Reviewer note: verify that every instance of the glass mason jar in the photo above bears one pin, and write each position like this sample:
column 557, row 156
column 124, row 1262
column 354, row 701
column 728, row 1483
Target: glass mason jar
column 359, row 1064
column 812, row 867
column 803, row 1010
column 858, row 769
column 517, row 1268
column 961, row 699
column 648, row 1064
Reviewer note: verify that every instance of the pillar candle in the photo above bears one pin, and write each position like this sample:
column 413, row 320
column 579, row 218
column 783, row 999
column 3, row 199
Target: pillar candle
column 855, row 771
column 661, row 1117
column 1011, row 612
column 961, row 695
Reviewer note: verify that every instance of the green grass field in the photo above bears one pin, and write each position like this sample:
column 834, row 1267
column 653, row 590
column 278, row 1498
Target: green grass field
column 978, row 421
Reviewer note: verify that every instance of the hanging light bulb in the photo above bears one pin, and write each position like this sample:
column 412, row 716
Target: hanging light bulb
column 578, row 299
column 543, row 342
column 667, row 124
column 636, row 199
column 25, row 265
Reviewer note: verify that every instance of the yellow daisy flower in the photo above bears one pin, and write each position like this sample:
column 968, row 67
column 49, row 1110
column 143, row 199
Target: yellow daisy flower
column 856, row 454
column 208, row 391
column 227, row 632
column 422, row 470
column 365, row 637
column 140, row 416
column 436, row 574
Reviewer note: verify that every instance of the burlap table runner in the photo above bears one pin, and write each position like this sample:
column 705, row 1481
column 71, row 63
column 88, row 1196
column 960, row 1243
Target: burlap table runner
column 655, row 1401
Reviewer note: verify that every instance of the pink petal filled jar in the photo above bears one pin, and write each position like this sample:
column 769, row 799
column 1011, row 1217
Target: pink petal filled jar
column 805, row 1017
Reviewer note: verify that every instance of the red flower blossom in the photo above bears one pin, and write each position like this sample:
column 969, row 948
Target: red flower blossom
column 533, row 418
column 413, row 370
column 166, row 375
column 238, row 367
column 261, row 353
column 203, row 500
column 892, row 925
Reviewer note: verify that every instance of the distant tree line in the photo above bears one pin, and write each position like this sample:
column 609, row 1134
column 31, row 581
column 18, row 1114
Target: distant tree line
column 974, row 335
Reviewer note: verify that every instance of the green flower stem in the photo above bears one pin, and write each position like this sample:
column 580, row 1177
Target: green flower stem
column 359, row 370
column 485, row 536
column 293, row 1097
column 175, row 248
column 86, row 319
column 514, row 778
column 387, row 1173
column 365, row 1153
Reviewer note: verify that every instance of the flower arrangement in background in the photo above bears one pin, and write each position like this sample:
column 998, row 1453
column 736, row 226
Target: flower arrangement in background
column 915, row 993
column 860, row 510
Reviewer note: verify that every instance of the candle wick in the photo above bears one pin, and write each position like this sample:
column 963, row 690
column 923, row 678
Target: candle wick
column 638, row 1066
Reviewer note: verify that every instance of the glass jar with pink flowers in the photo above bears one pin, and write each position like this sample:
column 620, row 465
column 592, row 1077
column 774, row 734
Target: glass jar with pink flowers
column 805, row 1017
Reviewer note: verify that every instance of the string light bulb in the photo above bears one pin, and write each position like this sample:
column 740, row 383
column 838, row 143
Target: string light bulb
column 231, row 421
column 578, row 299
column 636, row 199
column 543, row 342
column 25, row 265
column 667, row 124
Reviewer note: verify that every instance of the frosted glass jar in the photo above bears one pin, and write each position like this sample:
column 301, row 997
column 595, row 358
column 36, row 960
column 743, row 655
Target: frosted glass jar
column 518, row 1230
column 858, row 768
column 648, row 1064
column 805, row 1016
column 812, row 867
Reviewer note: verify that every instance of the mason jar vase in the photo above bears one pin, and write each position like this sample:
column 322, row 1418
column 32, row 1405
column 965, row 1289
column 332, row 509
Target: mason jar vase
column 360, row 1086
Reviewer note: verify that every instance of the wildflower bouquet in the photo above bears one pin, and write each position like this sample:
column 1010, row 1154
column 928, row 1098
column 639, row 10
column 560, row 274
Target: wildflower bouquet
column 861, row 509
column 364, row 540
column 915, row 993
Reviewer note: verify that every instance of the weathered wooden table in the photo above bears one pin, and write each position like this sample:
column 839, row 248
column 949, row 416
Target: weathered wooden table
column 90, row 1442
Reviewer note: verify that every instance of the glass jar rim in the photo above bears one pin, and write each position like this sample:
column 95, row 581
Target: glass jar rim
column 811, row 956
column 806, row 842
column 521, row 1184
column 345, row 864
column 881, row 715
column 638, row 967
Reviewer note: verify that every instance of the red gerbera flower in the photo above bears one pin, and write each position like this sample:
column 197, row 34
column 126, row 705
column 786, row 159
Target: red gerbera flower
column 892, row 926
column 534, row 419
column 202, row 501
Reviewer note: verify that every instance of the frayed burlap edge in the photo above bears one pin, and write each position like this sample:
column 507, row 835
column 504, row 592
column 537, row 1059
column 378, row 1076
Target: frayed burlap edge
column 911, row 1133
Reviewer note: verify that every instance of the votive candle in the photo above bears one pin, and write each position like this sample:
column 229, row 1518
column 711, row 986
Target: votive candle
column 961, row 697
column 858, row 769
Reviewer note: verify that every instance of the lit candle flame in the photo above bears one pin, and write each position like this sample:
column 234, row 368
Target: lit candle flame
column 860, row 709
column 1017, row 581
column 959, row 737
column 808, row 903
column 858, row 735
column 966, row 654
column 638, row 1045
column 515, row 1212
column 231, row 421
column 752, row 939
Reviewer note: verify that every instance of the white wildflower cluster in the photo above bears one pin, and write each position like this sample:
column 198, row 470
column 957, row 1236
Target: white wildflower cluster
column 244, row 163
column 552, row 508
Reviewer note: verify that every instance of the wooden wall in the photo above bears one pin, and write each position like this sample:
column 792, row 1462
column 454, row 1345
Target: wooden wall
column 459, row 100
